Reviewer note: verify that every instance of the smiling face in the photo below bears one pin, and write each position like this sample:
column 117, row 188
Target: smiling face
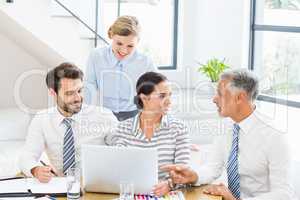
column 69, row 96
column 159, row 101
column 123, row 46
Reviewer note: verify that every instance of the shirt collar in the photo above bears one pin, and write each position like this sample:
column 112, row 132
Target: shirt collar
column 136, row 123
column 58, row 117
column 112, row 58
column 248, row 123
column 164, row 121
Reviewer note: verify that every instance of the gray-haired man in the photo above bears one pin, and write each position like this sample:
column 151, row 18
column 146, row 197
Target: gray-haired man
column 254, row 155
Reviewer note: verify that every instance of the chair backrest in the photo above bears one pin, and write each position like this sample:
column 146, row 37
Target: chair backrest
column 201, row 127
column 13, row 124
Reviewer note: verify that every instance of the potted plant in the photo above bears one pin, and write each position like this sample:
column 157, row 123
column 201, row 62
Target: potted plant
column 213, row 68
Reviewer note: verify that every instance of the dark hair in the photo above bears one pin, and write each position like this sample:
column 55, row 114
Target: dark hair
column 64, row 70
column 146, row 84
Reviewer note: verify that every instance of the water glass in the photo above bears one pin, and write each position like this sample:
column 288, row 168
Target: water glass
column 73, row 184
column 126, row 190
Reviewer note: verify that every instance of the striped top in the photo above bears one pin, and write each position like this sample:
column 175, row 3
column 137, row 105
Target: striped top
column 170, row 138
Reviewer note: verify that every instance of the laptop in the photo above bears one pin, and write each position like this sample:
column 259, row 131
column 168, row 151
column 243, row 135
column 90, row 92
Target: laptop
column 104, row 167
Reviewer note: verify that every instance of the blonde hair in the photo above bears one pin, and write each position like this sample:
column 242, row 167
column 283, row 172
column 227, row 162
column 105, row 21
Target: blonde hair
column 124, row 26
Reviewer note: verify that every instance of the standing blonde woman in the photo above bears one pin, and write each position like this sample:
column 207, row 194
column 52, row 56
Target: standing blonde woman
column 113, row 70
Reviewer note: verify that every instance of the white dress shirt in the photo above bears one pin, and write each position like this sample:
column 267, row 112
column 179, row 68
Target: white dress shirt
column 264, row 161
column 46, row 133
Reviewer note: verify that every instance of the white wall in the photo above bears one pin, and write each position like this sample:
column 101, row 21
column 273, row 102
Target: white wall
column 210, row 28
column 59, row 34
column 30, row 40
column 15, row 63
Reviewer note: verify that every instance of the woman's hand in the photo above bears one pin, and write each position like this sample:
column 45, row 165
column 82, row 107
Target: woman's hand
column 161, row 188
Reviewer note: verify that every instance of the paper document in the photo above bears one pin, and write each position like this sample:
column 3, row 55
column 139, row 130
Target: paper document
column 56, row 185
column 13, row 186
column 18, row 198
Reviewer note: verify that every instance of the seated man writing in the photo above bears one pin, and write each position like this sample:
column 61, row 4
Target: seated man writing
column 61, row 130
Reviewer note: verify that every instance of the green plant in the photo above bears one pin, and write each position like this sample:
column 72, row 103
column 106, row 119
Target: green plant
column 213, row 68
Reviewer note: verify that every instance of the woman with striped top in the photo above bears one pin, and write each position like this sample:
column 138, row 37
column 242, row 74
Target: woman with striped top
column 153, row 127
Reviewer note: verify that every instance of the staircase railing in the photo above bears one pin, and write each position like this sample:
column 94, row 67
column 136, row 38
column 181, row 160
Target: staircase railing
column 95, row 32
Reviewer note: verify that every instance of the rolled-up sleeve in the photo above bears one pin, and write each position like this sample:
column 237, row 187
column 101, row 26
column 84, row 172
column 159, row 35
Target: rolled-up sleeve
column 90, row 82
column 214, row 165
column 182, row 149
column 118, row 135
column 34, row 147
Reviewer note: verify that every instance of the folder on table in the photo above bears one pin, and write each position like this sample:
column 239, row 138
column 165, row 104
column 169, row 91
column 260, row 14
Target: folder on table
column 26, row 187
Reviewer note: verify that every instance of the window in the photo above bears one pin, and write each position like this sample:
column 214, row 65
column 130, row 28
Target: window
column 275, row 49
column 158, row 19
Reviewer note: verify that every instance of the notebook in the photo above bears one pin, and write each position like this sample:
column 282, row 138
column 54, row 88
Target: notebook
column 26, row 187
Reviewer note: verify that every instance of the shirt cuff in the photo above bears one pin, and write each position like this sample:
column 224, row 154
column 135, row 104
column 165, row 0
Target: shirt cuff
column 203, row 176
column 28, row 168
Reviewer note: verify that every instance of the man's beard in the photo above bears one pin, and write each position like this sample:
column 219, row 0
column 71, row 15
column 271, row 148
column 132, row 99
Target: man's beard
column 67, row 107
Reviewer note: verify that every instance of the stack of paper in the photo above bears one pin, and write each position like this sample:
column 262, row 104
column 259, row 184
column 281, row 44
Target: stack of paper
column 26, row 187
column 18, row 198
column 56, row 185
column 13, row 186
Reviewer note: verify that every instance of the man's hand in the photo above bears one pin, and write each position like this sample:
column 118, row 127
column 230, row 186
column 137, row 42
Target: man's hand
column 219, row 190
column 161, row 188
column 181, row 174
column 42, row 173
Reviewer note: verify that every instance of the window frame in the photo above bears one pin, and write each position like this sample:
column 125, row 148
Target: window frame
column 174, row 62
column 254, row 27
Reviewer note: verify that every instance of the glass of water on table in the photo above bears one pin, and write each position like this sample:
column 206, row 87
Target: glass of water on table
column 126, row 190
column 73, row 183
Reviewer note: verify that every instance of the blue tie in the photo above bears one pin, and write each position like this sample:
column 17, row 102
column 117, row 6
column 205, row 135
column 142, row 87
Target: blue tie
column 69, row 147
column 233, row 165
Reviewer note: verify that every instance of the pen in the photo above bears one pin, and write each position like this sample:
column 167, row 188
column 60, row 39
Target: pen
column 12, row 178
column 47, row 196
column 50, row 170
column 52, row 198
